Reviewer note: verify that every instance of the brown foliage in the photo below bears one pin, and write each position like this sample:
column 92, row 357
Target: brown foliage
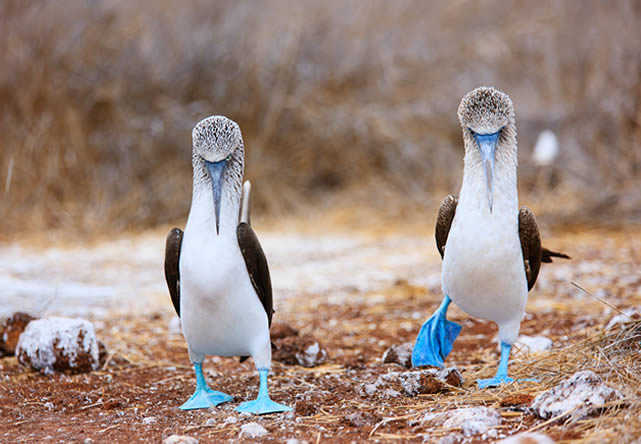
column 98, row 100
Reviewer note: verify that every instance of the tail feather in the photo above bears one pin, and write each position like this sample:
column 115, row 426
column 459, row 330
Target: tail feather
column 547, row 255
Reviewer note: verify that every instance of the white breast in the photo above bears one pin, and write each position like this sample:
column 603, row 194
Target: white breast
column 221, row 313
column 483, row 263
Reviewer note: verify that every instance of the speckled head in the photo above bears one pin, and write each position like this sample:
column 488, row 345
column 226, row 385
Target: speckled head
column 485, row 110
column 215, row 138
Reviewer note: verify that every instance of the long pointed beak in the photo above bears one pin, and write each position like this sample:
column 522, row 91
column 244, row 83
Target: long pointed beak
column 216, row 173
column 487, row 145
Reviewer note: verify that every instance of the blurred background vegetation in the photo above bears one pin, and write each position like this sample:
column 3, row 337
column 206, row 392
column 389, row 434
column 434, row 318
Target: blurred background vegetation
column 340, row 103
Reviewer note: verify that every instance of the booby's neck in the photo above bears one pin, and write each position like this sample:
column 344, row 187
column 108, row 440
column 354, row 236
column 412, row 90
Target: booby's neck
column 202, row 215
column 474, row 187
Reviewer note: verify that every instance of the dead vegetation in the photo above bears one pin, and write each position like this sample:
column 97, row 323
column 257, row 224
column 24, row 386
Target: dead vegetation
column 356, row 98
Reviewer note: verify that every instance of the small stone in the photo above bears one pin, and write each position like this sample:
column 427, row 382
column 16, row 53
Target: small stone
column 179, row 439
column 149, row 420
column 231, row 420
column 424, row 381
column 10, row 332
column 49, row 405
column 88, row 441
column 582, row 394
column 299, row 350
column 471, row 421
column 533, row 344
column 527, row 438
column 59, row 344
column 399, row 354
column 252, row 430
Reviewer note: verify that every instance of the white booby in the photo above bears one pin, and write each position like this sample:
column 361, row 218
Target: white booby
column 491, row 250
column 216, row 270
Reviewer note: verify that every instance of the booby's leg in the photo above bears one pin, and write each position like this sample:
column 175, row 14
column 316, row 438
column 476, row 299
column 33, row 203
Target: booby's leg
column 436, row 338
column 204, row 397
column 501, row 374
column 262, row 404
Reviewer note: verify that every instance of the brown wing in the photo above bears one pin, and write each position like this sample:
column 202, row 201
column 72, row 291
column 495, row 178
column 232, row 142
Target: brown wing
column 530, row 245
column 172, row 261
column 444, row 222
column 256, row 266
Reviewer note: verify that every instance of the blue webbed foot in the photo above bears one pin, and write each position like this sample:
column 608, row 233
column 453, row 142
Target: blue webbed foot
column 436, row 338
column 501, row 375
column 262, row 404
column 204, row 398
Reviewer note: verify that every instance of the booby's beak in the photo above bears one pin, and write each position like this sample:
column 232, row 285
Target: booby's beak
column 216, row 173
column 487, row 145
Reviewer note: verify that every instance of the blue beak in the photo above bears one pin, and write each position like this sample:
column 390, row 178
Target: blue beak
column 487, row 145
column 216, row 173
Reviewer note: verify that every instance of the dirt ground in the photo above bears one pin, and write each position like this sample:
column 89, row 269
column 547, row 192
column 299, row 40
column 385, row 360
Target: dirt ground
column 147, row 375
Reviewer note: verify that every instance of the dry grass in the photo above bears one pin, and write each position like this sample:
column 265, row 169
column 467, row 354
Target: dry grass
column 98, row 98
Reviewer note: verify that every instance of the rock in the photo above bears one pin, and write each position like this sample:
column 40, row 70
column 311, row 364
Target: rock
column 299, row 350
column 179, row 439
column 252, row 430
column 281, row 331
column 10, row 332
column 424, row 381
column 527, row 438
column 584, row 391
column 59, row 344
column 149, row 420
column 471, row 421
column 628, row 315
column 533, row 344
column 399, row 354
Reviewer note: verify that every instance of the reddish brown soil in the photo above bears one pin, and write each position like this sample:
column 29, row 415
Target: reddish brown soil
column 148, row 375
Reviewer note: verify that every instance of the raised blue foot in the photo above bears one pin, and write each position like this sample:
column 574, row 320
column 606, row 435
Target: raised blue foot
column 262, row 404
column 501, row 374
column 436, row 338
column 204, row 397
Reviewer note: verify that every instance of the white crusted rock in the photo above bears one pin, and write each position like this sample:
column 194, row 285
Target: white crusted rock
column 527, row 438
column 580, row 395
column 533, row 344
column 180, row 439
column 59, row 344
column 471, row 421
column 399, row 354
column 252, row 430
column 411, row 383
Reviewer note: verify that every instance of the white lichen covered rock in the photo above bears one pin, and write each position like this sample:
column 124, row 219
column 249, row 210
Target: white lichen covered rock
column 299, row 350
column 579, row 395
column 399, row 354
column 424, row 381
column 471, row 420
column 533, row 344
column 527, row 438
column 59, row 344
column 252, row 430
column 180, row 439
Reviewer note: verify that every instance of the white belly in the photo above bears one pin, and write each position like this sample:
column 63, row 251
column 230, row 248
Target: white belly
column 483, row 269
column 220, row 311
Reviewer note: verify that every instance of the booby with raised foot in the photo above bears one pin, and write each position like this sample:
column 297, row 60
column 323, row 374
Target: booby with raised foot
column 216, row 270
column 491, row 249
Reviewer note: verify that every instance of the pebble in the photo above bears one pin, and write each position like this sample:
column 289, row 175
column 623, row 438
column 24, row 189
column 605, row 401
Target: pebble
column 180, row 439
column 471, row 421
column 252, row 430
column 585, row 391
column 527, row 438
column 399, row 354
column 533, row 344
column 59, row 344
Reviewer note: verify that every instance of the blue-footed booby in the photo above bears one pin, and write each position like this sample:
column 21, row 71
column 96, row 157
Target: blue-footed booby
column 216, row 270
column 491, row 249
